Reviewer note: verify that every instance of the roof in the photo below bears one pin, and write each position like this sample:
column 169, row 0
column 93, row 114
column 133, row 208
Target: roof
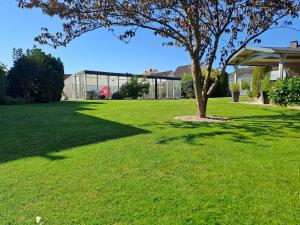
column 162, row 74
column 125, row 74
column 67, row 75
column 266, row 56
column 182, row 70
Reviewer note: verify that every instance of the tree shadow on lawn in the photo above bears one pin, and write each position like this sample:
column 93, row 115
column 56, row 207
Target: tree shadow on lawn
column 43, row 129
column 241, row 129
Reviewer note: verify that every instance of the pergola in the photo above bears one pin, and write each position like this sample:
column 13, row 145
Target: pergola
column 283, row 58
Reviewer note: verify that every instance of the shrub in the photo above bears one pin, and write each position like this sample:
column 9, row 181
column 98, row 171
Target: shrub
column 257, row 75
column 294, row 90
column 117, row 95
column 135, row 88
column 187, row 86
column 222, row 90
column 250, row 94
column 235, row 87
column 286, row 92
column 245, row 85
column 91, row 95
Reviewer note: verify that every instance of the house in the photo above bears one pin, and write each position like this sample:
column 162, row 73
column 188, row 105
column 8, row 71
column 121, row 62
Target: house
column 67, row 75
column 182, row 70
column 178, row 73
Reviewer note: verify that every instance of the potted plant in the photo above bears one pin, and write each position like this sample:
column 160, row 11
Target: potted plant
column 265, row 89
column 235, row 92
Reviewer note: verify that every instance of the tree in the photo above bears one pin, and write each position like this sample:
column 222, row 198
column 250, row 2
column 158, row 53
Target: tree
column 134, row 88
column 222, row 89
column 21, row 76
column 199, row 26
column 258, row 74
column 2, row 82
column 35, row 76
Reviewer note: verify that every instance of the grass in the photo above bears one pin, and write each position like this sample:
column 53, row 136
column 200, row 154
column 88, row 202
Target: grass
column 130, row 162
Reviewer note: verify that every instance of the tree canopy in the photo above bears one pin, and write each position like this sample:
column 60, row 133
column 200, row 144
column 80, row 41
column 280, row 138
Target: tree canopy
column 210, row 30
column 2, row 82
column 35, row 76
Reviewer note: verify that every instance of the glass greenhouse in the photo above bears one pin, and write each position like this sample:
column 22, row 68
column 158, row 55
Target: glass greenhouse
column 87, row 85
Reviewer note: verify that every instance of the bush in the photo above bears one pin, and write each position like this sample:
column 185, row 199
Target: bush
column 117, row 95
column 245, row 85
column 91, row 95
column 135, row 88
column 222, row 90
column 187, row 86
column 235, row 87
column 258, row 74
column 250, row 94
column 286, row 92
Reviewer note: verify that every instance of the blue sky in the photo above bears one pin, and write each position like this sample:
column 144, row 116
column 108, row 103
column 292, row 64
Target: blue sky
column 100, row 50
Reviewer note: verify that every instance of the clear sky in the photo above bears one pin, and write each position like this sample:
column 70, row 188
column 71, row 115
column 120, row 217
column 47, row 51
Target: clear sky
column 100, row 50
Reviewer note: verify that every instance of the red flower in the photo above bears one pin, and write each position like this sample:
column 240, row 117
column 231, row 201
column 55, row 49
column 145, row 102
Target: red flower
column 105, row 91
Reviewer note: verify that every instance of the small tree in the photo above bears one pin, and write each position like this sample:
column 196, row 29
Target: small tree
column 2, row 82
column 199, row 26
column 134, row 88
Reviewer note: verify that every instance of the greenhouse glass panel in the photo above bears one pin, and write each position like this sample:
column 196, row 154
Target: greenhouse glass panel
column 113, row 83
column 177, row 89
column 151, row 88
column 170, row 88
column 122, row 80
column 91, row 82
column 162, row 88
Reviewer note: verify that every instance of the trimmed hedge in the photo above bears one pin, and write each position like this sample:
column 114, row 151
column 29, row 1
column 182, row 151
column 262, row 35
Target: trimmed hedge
column 286, row 92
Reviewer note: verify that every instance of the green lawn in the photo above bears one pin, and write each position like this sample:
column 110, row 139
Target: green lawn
column 130, row 162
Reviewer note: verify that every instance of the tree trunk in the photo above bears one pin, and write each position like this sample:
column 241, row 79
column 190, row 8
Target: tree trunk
column 201, row 98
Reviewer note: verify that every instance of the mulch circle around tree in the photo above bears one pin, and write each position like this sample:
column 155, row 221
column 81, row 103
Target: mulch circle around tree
column 208, row 119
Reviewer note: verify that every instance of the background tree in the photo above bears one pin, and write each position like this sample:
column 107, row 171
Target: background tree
column 2, row 82
column 199, row 26
column 135, row 88
column 35, row 76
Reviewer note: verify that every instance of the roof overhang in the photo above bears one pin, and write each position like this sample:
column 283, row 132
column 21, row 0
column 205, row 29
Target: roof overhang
column 261, row 56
